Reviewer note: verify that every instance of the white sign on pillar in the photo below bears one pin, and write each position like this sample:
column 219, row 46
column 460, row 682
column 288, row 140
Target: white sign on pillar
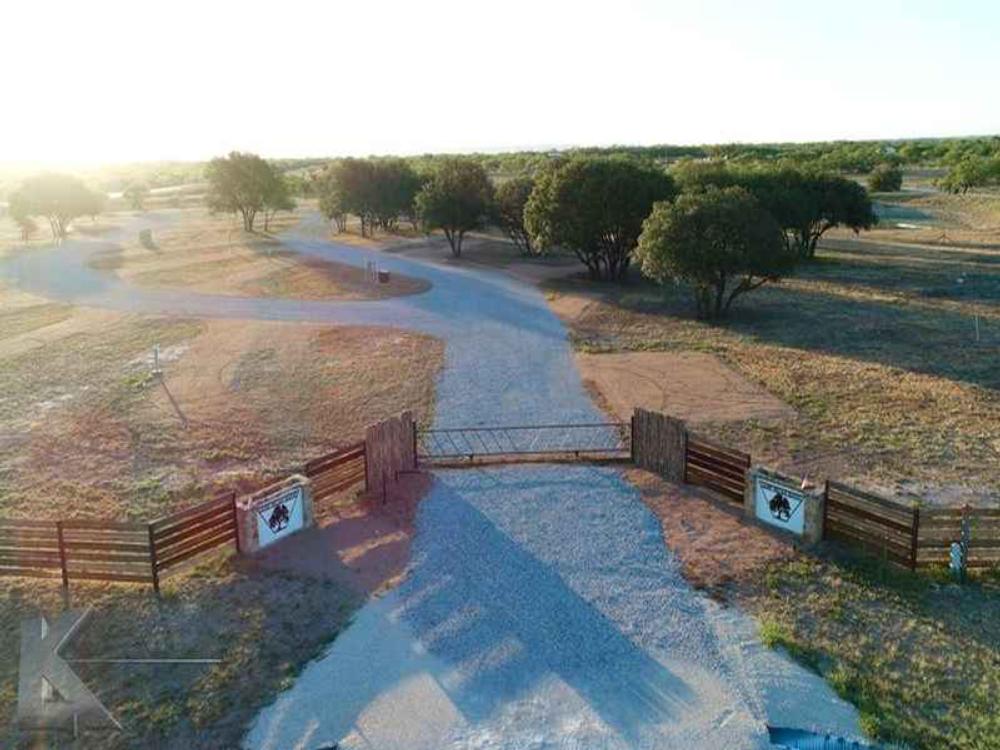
column 279, row 515
column 779, row 504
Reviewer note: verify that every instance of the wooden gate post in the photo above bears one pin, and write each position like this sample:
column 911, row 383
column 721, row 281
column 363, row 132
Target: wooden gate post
column 631, row 438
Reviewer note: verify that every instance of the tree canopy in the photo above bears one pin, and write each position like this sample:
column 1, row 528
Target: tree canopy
column 136, row 193
column 377, row 191
column 277, row 197
column 885, row 178
column 456, row 198
column 331, row 199
column 721, row 241
column 972, row 171
column 511, row 198
column 595, row 206
column 59, row 198
column 241, row 183
column 805, row 204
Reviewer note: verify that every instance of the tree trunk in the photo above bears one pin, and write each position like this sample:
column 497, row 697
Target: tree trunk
column 454, row 241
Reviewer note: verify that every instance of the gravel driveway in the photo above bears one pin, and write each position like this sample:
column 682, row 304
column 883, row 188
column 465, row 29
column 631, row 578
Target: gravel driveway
column 542, row 609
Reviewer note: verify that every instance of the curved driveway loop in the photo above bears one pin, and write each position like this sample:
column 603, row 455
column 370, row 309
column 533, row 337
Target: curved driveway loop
column 542, row 609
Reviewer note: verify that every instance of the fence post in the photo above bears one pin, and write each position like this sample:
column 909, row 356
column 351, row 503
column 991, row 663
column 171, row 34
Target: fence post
column 826, row 507
column 364, row 453
column 236, row 524
column 414, row 423
column 62, row 554
column 631, row 438
column 914, row 537
column 152, row 559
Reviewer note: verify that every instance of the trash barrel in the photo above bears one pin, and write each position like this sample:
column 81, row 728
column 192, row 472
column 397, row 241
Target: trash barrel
column 383, row 277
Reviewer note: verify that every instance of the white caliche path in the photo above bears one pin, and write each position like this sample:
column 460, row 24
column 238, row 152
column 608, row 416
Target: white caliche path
column 542, row 609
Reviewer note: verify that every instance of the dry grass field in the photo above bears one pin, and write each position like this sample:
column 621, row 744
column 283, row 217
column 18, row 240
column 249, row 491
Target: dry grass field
column 873, row 347
column 932, row 217
column 87, row 430
column 865, row 367
column 915, row 653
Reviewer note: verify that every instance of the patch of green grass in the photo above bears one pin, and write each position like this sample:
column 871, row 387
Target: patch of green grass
column 20, row 320
column 917, row 655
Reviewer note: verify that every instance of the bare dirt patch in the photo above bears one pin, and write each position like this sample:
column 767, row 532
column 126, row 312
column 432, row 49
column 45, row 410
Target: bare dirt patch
column 360, row 543
column 717, row 547
column 937, row 218
column 309, row 278
column 692, row 386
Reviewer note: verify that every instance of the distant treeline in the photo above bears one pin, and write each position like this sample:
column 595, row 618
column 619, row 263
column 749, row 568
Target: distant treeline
column 853, row 157
column 971, row 161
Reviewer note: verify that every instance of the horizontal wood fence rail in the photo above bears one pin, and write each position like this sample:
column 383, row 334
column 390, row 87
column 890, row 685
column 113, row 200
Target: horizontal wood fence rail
column 907, row 535
column 717, row 467
column 570, row 439
column 940, row 527
column 184, row 535
column 337, row 471
column 97, row 550
column 871, row 523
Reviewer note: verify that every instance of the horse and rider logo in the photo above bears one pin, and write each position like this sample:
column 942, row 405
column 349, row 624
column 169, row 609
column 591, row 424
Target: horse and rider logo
column 278, row 515
column 780, row 508
column 279, row 518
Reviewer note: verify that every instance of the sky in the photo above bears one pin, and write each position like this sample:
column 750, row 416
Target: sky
column 100, row 81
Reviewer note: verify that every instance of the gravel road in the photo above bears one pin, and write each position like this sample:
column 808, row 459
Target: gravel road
column 542, row 609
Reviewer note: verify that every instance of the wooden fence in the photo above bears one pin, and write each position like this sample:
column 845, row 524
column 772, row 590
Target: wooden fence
column 391, row 447
column 939, row 527
column 659, row 443
column 908, row 535
column 337, row 471
column 900, row 533
column 717, row 467
column 178, row 537
column 874, row 524
column 99, row 550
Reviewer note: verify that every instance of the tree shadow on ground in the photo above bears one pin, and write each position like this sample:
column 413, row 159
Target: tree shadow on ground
column 895, row 333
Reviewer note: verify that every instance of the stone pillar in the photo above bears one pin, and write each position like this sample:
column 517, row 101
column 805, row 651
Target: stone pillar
column 273, row 513
column 782, row 502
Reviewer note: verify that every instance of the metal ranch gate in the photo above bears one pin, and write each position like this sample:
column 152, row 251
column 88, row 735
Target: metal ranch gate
column 593, row 440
